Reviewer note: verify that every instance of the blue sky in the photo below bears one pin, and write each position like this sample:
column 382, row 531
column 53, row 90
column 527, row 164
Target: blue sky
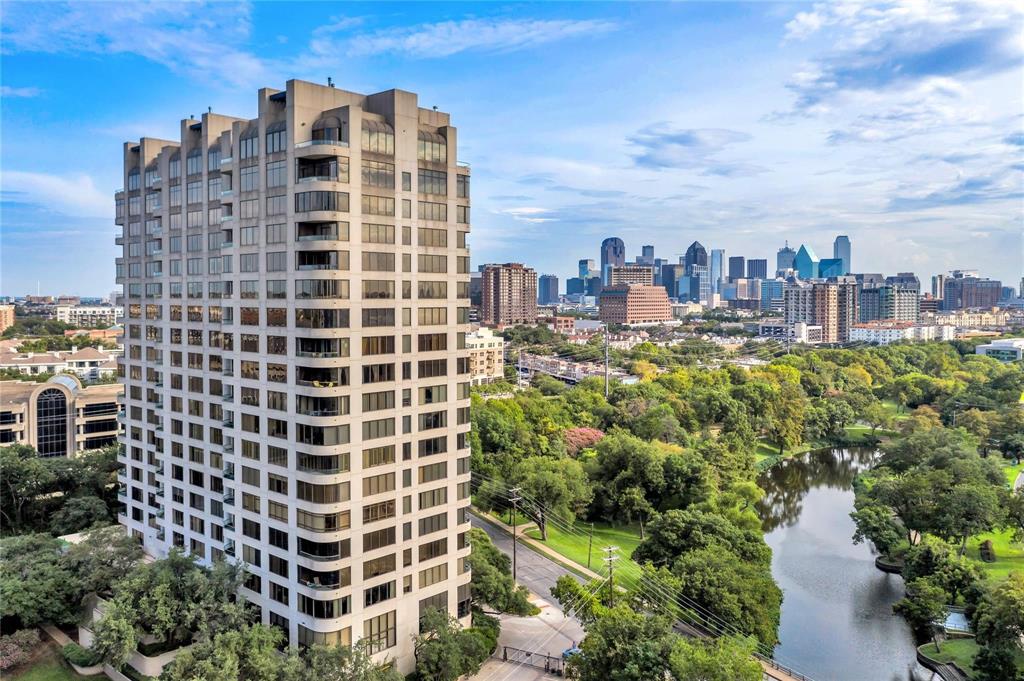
column 740, row 125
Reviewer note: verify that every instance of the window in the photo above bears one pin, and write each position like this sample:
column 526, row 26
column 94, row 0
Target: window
column 379, row 593
column 249, row 178
column 381, row 632
column 378, row 539
column 431, row 147
column 378, row 484
column 378, row 205
column 249, row 145
column 322, row 200
column 433, row 575
column 433, row 182
column 426, row 210
column 213, row 158
column 379, row 511
column 462, row 215
column 378, row 456
column 277, row 205
column 378, row 174
column 378, row 234
column 433, row 315
column 276, row 137
column 378, row 137
column 249, row 236
column 462, row 186
column 194, row 192
column 51, row 423
column 433, row 497
column 434, row 264
column 432, row 237
column 277, row 174
column 330, row 609
column 378, row 262
column 375, row 289
column 378, row 428
column 194, row 162
column 249, row 209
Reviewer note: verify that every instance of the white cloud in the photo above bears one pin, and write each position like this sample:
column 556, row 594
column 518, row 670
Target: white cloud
column 531, row 214
column 446, row 38
column 73, row 195
column 202, row 39
column 8, row 91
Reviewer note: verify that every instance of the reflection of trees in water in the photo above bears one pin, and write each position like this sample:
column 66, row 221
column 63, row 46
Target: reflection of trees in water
column 786, row 483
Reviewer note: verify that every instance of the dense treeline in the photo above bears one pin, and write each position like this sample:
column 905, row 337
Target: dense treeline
column 677, row 451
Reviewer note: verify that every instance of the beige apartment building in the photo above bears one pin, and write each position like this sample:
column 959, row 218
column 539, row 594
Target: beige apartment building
column 6, row 317
column 509, row 295
column 635, row 304
column 632, row 274
column 59, row 417
column 832, row 305
column 486, row 356
column 296, row 294
column 88, row 315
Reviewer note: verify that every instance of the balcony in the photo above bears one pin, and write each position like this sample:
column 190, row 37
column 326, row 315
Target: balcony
column 229, row 547
column 160, row 535
column 228, row 472
column 226, row 162
column 316, row 231
column 229, row 522
column 229, row 498
column 228, row 396
column 316, row 260
column 320, row 148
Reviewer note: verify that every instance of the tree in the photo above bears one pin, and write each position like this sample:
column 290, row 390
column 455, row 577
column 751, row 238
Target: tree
column 676, row 532
column 875, row 523
column 733, row 589
column 1000, row 614
column 444, row 650
column 344, row 663
column 104, row 557
column 79, row 513
column 585, row 602
column 633, row 502
column 728, row 658
column 492, row 577
column 967, row 510
column 876, row 415
column 35, row 585
column 558, row 486
column 115, row 635
column 786, row 418
column 25, row 476
column 622, row 645
column 923, row 606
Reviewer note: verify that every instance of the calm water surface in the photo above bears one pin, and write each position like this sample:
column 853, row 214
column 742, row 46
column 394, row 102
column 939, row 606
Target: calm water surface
column 837, row 621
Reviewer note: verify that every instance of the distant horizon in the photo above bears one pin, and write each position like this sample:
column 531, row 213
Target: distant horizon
column 741, row 125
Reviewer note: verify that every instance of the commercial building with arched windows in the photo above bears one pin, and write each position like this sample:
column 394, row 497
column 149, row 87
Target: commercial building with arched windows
column 59, row 417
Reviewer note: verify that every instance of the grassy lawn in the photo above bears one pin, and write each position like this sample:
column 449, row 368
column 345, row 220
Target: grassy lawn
column 1012, row 471
column 48, row 665
column 626, row 537
column 962, row 652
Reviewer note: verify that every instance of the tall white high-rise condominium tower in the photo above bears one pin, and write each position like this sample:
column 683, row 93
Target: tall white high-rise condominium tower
column 296, row 380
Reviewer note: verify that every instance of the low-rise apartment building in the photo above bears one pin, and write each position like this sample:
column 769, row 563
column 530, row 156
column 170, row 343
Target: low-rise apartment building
column 635, row 304
column 88, row 315
column 1003, row 349
column 884, row 332
column 59, row 417
column 486, row 356
column 87, row 363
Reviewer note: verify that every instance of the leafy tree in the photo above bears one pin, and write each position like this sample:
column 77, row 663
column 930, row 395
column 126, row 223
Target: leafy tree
column 115, row 635
column 677, row 532
column 444, row 650
column 622, row 645
column 104, row 557
column 79, row 513
column 1015, row 513
column 875, row 523
column 25, row 476
column 733, row 589
column 585, row 602
column 924, row 604
column 35, row 584
column 876, row 416
column 999, row 616
column 727, row 658
column 492, row 577
column 344, row 663
column 634, row 503
column 558, row 486
column 625, row 461
column 967, row 510
column 785, row 421
column 17, row 648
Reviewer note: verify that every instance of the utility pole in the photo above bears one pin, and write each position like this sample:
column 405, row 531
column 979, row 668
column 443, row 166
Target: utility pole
column 515, row 499
column 606, row 362
column 610, row 559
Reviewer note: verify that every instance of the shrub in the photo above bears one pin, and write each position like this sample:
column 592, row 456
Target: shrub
column 17, row 648
column 82, row 657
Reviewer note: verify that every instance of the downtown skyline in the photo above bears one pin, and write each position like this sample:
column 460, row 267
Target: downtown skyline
column 832, row 120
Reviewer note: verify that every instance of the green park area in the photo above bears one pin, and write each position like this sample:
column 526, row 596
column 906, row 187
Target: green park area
column 961, row 651
column 47, row 665
column 577, row 547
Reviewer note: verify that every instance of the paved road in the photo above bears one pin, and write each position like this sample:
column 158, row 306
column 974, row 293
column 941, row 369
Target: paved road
column 534, row 571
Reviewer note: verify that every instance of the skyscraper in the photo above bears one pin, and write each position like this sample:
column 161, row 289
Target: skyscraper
column 696, row 255
column 296, row 388
column 785, row 258
column 510, row 295
column 965, row 290
column 613, row 253
column 806, row 263
column 586, row 268
column 736, row 267
column 830, row 267
column 547, row 289
column 757, row 268
column 841, row 251
column 717, row 260
column 646, row 256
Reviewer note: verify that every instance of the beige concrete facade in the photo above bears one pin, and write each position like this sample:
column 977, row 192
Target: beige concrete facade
column 828, row 304
column 88, row 315
column 6, row 317
column 632, row 274
column 486, row 356
column 296, row 304
column 59, row 417
column 635, row 304
column 509, row 295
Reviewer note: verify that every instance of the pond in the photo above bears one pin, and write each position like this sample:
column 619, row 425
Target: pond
column 837, row 621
